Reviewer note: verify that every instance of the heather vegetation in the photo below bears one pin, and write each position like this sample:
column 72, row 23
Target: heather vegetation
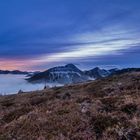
column 106, row 109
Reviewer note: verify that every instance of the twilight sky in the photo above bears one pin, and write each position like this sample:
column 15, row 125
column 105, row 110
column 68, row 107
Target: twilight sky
column 39, row 34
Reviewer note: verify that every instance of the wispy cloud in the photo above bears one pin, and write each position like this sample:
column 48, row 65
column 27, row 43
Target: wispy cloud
column 88, row 50
column 112, row 40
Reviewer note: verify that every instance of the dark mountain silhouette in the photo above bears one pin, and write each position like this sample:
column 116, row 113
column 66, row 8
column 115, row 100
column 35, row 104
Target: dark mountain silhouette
column 13, row 72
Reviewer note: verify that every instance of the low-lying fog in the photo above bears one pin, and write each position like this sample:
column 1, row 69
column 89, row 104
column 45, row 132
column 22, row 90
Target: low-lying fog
column 11, row 84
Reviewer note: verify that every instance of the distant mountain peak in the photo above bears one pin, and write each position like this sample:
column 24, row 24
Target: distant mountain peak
column 13, row 72
column 70, row 66
column 62, row 74
column 97, row 73
column 96, row 68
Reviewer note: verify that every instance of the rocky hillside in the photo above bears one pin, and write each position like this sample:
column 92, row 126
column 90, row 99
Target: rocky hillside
column 105, row 109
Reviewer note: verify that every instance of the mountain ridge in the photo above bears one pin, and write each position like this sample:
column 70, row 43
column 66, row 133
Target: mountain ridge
column 13, row 72
column 69, row 74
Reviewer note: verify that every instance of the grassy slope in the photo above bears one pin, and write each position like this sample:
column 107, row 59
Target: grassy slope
column 107, row 109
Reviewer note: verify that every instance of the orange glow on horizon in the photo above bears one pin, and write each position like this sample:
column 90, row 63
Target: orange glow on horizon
column 14, row 65
column 23, row 65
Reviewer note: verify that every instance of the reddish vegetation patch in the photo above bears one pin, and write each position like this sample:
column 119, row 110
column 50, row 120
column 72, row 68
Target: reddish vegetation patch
column 107, row 109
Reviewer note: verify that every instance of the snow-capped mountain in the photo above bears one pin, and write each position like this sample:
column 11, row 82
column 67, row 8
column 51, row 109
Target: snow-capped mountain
column 69, row 74
column 97, row 73
column 63, row 74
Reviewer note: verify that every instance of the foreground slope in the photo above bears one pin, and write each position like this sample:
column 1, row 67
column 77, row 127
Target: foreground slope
column 107, row 109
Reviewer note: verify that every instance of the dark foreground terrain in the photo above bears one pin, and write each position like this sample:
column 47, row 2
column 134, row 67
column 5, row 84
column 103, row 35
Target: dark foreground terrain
column 107, row 109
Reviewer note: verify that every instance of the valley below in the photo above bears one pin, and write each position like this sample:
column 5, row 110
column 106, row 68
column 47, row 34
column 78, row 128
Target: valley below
column 103, row 109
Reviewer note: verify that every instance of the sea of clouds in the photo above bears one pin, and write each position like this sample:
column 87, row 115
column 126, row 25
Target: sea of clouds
column 11, row 84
